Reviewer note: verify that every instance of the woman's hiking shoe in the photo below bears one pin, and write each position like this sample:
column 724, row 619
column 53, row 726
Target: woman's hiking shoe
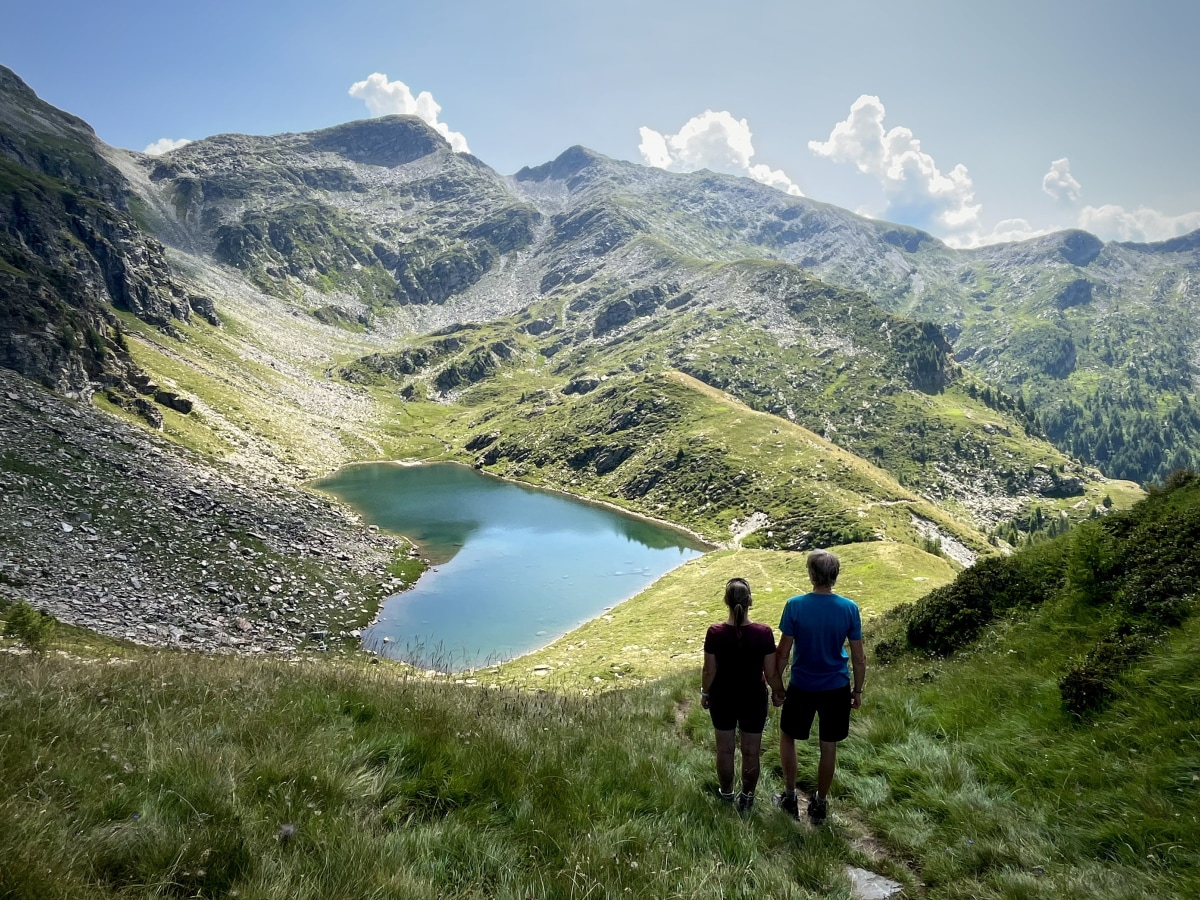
column 787, row 802
column 745, row 802
column 726, row 796
column 818, row 809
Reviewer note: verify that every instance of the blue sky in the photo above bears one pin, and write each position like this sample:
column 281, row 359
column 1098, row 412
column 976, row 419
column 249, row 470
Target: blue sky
column 945, row 115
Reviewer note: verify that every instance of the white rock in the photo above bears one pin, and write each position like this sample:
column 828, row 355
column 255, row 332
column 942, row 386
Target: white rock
column 866, row 885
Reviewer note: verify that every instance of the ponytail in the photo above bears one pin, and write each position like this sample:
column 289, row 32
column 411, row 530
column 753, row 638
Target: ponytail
column 738, row 599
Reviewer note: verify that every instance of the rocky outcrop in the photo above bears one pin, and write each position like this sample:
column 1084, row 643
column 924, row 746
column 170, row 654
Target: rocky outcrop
column 71, row 252
column 381, row 208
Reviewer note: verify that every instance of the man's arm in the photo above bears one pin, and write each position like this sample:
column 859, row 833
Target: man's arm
column 707, row 674
column 775, row 678
column 858, row 661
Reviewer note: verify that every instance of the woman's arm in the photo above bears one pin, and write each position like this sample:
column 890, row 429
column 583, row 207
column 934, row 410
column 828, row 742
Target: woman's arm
column 778, row 667
column 707, row 674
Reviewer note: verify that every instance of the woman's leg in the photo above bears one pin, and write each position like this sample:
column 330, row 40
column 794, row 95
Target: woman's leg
column 725, row 744
column 751, row 753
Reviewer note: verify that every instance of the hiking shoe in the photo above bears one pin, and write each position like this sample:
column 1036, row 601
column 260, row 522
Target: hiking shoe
column 745, row 802
column 726, row 796
column 787, row 802
column 818, row 809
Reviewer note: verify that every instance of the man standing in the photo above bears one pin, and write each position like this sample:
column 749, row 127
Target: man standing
column 817, row 625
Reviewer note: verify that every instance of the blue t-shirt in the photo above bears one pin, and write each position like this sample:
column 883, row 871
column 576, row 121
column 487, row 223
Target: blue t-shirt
column 819, row 625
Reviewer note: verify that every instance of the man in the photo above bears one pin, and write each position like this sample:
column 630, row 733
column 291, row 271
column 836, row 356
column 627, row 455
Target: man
column 817, row 625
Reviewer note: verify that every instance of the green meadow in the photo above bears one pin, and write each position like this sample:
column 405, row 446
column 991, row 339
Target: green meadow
column 977, row 773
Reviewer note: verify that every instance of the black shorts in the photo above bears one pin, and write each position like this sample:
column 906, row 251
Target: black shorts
column 747, row 711
column 832, row 707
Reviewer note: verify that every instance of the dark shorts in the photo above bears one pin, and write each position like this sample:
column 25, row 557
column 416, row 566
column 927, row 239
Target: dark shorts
column 832, row 708
column 747, row 712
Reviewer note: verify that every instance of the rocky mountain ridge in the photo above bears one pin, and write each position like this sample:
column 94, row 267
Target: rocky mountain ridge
column 596, row 268
column 71, row 252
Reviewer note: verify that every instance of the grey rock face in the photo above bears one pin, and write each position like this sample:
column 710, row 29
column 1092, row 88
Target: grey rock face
column 70, row 251
column 381, row 207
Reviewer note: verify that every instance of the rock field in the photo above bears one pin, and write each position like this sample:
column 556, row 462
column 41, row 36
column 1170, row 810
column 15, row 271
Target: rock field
column 106, row 526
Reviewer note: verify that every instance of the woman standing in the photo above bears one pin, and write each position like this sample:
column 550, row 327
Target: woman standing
column 739, row 659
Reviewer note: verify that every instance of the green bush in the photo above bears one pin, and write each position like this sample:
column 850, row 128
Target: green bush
column 1090, row 564
column 950, row 617
column 32, row 628
column 1089, row 685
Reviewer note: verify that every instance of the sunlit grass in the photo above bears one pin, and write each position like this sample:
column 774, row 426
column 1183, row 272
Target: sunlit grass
column 661, row 630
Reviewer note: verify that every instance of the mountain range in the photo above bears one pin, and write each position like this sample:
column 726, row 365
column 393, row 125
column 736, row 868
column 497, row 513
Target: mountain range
column 593, row 325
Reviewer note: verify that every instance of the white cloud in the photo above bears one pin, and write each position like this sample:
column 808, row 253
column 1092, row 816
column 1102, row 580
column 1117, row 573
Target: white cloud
column 1060, row 184
column 711, row 140
column 1115, row 223
column 165, row 145
column 917, row 191
column 1008, row 230
column 385, row 97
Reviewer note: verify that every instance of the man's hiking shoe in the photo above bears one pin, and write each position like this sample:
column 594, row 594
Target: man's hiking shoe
column 787, row 802
column 745, row 802
column 818, row 809
column 726, row 796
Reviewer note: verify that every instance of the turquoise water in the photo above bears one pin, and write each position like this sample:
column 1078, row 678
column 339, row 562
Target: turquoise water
column 513, row 567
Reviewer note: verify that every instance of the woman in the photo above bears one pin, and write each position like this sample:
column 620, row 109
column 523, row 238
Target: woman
column 739, row 659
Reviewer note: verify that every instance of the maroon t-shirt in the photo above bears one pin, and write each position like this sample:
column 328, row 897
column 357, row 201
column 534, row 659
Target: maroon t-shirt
column 739, row 663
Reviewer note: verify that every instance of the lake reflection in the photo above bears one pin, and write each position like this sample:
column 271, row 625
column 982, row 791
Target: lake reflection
column 514, row 567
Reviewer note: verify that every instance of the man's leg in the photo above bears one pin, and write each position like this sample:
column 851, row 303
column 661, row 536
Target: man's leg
column 787, row 759
column 725, row 745
column 826, row 767
column 751, row 753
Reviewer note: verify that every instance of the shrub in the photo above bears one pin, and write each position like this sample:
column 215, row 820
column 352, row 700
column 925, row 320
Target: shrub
column 954, row 615
column 32, row 628
column 1089, row 685
column 889, row 650
column 1090, row 563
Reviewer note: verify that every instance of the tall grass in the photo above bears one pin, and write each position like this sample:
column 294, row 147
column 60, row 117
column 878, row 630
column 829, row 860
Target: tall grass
column 133, row 773
column 167, row 774
column 178, row 775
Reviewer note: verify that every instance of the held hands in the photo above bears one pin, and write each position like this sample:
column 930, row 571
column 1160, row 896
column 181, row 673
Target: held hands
column 777, row 697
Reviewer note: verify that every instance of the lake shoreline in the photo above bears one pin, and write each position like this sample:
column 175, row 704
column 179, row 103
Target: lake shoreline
column 708, row 545
column 439, row 607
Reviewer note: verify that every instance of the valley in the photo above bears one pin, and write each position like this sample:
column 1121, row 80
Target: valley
column 996, row 442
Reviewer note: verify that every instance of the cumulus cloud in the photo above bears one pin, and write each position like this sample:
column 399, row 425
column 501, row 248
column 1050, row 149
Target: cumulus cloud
column 918, row 192
column 165, row 145
column 385, row 97
column 1008, row 230
column 1060, row 184
column 712, row 140
column 1115, row 223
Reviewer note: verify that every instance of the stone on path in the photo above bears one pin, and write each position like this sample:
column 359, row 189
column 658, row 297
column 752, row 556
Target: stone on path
column 866, row 885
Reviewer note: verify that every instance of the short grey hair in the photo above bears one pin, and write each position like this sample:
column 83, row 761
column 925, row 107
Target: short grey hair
column 823, row 568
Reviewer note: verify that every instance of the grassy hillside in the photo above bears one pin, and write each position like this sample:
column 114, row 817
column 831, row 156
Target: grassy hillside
column 661, row 630
column 967, row 775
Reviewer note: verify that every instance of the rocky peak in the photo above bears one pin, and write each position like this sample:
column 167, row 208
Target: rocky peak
column 20, row 104
column 570, row 162
column 70, row 249
column 387, row 141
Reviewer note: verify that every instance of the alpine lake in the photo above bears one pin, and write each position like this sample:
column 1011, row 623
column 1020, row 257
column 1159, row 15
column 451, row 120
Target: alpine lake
column 511, row 567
